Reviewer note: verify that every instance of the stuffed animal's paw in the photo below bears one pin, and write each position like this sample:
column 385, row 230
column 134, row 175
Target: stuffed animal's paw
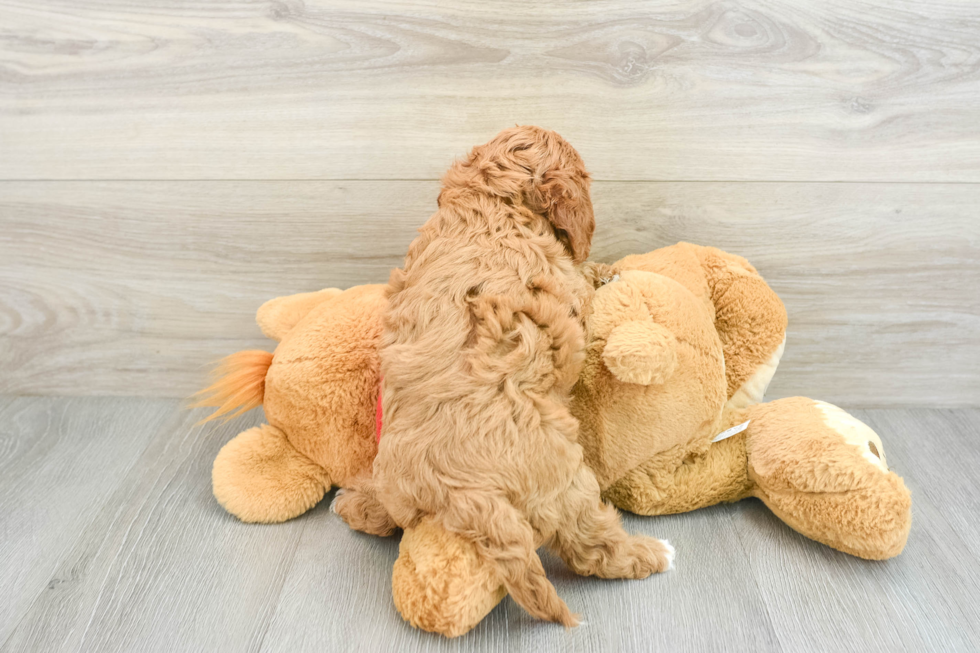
column 823, row 472
column 440, row 583
column 259, row 476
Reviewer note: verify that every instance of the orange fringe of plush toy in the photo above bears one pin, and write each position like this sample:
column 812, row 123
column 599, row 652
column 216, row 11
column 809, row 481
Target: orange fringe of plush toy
column 239, row 382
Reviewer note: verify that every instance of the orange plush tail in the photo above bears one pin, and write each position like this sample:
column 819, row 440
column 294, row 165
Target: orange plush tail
column 239, row 382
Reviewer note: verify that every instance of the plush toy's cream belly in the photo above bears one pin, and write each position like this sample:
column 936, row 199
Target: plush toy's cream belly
column 754, row 389
column 625, row 424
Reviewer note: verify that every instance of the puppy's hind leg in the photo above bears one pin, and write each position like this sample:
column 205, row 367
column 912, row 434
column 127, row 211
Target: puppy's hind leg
column 591, row 540
column 360, row 508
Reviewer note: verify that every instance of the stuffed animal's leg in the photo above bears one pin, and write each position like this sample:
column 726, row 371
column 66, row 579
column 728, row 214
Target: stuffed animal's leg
column 823, row 472
column 259, row 476
column 358, row 506
column 591, row 540
column 278, row 316
column 672, row 483
column 440, row 583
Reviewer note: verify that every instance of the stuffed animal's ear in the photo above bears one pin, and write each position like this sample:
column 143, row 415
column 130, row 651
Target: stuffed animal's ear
column 278, row 316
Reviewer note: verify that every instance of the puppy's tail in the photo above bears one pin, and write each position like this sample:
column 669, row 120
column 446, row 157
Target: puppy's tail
column 503, row 536
column 239, row 382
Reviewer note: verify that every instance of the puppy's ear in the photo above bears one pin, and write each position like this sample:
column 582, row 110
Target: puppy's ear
column 565, row 196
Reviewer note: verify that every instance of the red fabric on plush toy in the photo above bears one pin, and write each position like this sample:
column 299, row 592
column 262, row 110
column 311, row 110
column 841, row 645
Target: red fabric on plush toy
column 377, row 416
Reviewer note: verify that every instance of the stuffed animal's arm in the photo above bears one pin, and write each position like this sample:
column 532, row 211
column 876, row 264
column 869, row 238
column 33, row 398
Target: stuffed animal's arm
column 278, row 316
column 823, row 472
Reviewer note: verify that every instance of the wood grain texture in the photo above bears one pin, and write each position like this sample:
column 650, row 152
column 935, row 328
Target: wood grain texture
column 838, row 600
column 140, row 557
column 883, row 90
column 162, row 567
column 942, row 445
column 134, row 287
column 684, row 610
column 61, row 460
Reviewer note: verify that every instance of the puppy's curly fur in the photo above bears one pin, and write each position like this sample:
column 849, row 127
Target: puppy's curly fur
column 483, row 342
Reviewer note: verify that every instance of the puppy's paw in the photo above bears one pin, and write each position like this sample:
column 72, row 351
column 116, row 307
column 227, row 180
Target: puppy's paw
column 646, row 555
column 333, row 504
column 362, row 512
column 671, row 552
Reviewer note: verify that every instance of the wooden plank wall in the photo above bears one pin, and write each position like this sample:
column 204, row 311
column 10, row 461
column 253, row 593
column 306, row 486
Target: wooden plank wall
column 167, row 166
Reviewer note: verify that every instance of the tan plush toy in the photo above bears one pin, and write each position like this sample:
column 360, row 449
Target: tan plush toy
column 682, row 344
column 319, row 391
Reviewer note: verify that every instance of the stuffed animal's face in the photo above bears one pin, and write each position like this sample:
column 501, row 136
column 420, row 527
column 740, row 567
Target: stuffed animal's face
column 654, row 376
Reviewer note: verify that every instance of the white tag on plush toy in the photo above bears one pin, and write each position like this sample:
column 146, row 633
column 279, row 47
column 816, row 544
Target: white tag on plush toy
column 735, row 430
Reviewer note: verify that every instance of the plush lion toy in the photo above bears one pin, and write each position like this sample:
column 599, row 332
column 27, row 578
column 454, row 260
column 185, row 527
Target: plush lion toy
column 682, row 343
column 319, row 391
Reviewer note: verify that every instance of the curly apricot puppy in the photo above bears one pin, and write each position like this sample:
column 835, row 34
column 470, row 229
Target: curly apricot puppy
column 483, row 342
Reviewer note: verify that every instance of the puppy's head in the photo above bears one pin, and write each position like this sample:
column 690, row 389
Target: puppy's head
column 539, row 169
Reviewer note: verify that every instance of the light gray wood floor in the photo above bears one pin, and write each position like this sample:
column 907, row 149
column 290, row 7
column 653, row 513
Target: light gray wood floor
column 110, row 540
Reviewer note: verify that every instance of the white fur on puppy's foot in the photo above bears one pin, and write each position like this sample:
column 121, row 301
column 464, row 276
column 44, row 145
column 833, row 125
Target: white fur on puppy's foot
column 333, row 503
column 671, row 552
